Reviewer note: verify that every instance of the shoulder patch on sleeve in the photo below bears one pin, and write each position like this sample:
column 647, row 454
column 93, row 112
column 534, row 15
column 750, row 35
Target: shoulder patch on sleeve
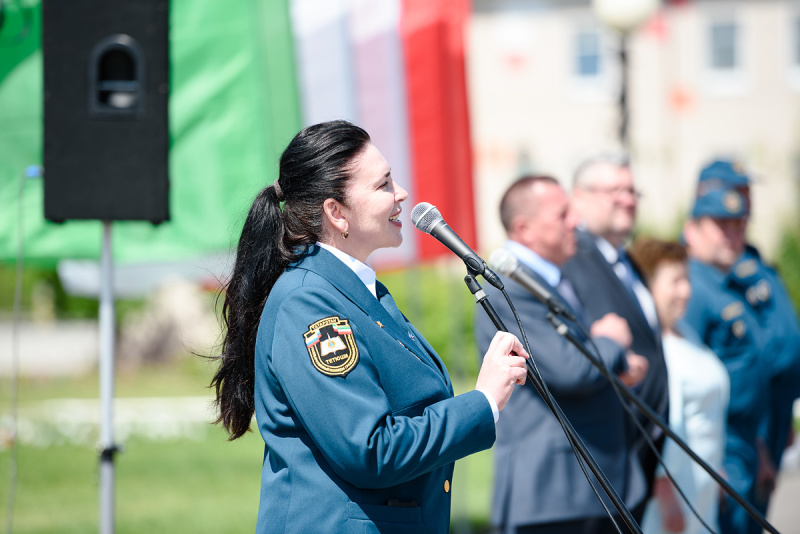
column 332, row 346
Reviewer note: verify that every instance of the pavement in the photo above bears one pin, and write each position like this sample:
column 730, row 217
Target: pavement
column 49, row 348
column 784, row 509
column 76, row 421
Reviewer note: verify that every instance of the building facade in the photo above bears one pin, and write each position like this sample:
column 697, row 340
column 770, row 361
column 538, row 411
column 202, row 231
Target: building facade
column 707, row 79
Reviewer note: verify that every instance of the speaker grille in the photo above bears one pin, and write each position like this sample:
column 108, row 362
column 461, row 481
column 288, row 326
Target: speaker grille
column 105, row 165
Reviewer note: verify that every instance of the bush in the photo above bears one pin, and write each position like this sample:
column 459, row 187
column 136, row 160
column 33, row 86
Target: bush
column 788, row 262
column 41, row 288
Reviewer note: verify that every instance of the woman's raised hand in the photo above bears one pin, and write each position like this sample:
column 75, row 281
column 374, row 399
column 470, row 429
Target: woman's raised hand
column 503, row 367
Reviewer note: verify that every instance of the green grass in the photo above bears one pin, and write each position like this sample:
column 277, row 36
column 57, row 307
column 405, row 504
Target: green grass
column 207, row 485
column 178, row 486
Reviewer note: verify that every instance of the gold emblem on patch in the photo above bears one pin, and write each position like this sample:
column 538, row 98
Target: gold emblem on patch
column 732, row 201
column 332, row 346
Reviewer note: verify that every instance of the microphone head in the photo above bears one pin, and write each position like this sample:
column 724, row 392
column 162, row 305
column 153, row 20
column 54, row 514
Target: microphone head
column 503, row 261
column 425, row 216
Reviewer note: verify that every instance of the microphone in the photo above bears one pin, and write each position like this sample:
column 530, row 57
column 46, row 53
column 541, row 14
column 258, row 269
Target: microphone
column 427, row 218
column 508, row 265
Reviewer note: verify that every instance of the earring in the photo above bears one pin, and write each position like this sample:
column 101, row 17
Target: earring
column 344, row 235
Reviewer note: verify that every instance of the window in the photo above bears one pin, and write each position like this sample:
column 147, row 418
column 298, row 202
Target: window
column 588, row 58
column 592, row 71
column 793, row 48
column 796, row 40
column 724, row 42
column 727, row 54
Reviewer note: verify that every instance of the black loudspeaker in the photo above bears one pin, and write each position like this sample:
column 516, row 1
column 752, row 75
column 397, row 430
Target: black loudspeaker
column 106, row 130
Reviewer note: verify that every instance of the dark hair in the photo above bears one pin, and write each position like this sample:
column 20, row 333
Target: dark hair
column 510, row 204
column 316, row 165
column 649, row 253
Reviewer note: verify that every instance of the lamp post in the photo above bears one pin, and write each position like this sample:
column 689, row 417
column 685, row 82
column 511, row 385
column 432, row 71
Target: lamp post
column 624, row 16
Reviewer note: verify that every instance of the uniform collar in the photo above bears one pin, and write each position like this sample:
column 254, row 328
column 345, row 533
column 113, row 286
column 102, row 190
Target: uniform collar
column 364, row 272
column 327, row 265
column 707, row 271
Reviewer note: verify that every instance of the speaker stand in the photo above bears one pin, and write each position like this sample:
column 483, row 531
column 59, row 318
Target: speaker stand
column 107, row 446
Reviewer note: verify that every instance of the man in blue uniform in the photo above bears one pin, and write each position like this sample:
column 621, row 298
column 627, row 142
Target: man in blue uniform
column 720, row 315
column 766, row 294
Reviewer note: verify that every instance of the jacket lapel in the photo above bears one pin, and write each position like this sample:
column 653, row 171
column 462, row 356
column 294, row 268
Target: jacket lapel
column 612, row 280
column 384, row 312
column 406, row 334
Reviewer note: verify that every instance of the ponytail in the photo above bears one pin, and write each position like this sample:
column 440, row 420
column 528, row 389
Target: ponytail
column 260, row 260
column 314, row 167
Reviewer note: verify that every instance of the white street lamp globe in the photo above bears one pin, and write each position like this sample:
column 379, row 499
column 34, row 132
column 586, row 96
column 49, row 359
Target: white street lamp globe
column 624, row 15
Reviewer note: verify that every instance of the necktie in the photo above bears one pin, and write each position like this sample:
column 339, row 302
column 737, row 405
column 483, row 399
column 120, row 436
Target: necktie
column 567, row 292
column 636, row 288
column 624, row 274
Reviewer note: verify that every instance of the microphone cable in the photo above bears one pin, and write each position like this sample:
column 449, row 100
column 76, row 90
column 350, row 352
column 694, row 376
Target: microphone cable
column 555, row 316
column 616, row 385
column 427, row 219
column 568, row 430
column 723, row 484
column 579, row 449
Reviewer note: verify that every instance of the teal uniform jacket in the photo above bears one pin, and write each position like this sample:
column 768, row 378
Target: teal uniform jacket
column 766, row 294
column 356, row 410
column 723, row 321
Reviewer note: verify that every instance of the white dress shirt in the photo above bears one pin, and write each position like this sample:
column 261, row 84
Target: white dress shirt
column 619, row 261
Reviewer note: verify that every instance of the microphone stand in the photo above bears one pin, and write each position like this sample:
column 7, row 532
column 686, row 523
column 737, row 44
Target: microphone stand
column 565, row 332
column 577, row 444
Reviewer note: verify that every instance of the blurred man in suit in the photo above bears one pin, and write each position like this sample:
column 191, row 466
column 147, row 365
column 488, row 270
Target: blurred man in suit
column 606, row 281
column 539, row 486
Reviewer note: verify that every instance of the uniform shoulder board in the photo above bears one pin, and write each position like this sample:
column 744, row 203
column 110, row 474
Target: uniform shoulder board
column 332, row 346
column 734, row 309
column 746, row 269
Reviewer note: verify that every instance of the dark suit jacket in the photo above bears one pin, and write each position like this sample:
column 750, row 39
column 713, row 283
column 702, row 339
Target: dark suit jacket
column 601, row 291
column 537, row 476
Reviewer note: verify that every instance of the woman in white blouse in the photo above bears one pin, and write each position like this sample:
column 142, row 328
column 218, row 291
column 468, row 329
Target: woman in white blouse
column 698, row 399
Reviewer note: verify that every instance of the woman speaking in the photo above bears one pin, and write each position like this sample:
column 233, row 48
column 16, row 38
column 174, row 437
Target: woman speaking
column 357, row 413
